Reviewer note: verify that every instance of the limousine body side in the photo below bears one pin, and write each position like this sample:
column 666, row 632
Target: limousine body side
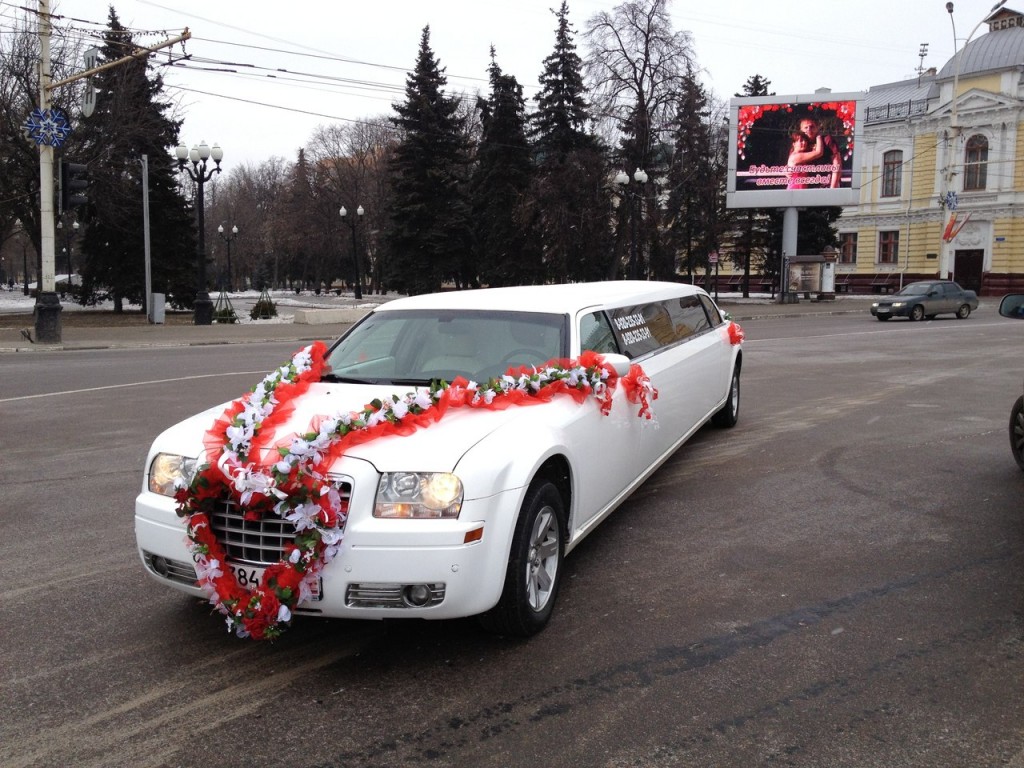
column 530, row 482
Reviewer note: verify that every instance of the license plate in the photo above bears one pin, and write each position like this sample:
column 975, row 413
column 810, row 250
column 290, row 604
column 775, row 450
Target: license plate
column 251, row 577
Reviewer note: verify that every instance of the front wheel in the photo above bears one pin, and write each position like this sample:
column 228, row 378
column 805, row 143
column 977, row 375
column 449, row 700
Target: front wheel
column 964, row 311
column 729, row 414
column 1017, row 431
column 534, row 567
column 917, row 313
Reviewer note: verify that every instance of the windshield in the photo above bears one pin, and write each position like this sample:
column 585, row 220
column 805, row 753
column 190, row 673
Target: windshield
column 415, row 347
column 916, row 289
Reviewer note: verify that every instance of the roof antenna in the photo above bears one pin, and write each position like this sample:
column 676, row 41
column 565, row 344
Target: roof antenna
column 922, row 52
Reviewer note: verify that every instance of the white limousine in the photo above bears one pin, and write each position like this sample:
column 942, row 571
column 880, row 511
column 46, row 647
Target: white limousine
column 440, row 458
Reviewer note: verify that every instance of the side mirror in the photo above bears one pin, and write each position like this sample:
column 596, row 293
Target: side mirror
column 620, row 363
column 1012, row 305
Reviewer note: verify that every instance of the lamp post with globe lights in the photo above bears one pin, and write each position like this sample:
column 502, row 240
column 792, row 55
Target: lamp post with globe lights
column 228, row 238
column 635, row 201
column 352, row 223
column 200, row 174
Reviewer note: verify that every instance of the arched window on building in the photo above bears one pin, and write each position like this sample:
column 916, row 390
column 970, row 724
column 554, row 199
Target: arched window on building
column 976, row 162
column 892, row 173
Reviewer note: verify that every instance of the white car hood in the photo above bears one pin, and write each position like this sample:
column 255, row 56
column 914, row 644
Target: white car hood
column 434, row 447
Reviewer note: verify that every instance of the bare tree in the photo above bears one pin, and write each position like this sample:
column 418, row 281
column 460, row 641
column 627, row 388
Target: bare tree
column 635, row 68
column 352, row 165
column 248, row 198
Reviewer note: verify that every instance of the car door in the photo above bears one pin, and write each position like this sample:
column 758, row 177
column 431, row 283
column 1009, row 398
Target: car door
column 687, row 360
column 953, row 295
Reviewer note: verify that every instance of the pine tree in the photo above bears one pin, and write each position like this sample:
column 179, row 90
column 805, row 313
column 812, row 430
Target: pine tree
column 573, row 205
column 429, row 234
column 130, row 121
column 753, row 242
column 506, row 249
column 695, row 180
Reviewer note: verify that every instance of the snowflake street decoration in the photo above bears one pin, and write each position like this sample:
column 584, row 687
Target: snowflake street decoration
column 50, row 127
column 949, row 200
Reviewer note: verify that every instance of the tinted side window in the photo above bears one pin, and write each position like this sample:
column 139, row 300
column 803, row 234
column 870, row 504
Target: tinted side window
column 688, row 317
column 713, row 314
column 596, row 334
column 648, row 327
column 633, row 328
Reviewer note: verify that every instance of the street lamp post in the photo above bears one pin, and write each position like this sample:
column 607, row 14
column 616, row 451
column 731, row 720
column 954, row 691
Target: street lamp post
column 352, row 223
column 227, row 239
column 635, row 211
column 197, row 156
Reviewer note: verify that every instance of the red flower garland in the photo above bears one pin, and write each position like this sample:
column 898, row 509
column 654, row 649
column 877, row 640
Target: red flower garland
column 294, row 485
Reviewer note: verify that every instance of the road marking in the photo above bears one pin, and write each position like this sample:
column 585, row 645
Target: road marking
column 131, row 384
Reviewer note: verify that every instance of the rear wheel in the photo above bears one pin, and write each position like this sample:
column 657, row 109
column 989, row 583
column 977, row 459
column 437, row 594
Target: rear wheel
column 1017, row 431
column 729, row 414
column 964, row 311
column 534, row 567
column 917, row 313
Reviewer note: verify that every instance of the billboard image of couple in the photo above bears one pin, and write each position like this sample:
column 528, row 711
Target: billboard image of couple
column 793, row 151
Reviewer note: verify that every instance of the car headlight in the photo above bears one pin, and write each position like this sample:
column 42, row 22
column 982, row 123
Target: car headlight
column 168, row 472
column 898, row 304
column 418, row 495
column 874, row 305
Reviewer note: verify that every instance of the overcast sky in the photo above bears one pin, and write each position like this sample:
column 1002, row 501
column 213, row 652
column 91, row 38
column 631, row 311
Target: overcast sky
column 347, row 61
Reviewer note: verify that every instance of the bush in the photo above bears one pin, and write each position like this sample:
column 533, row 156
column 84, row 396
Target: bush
column 264, row 309
column 225, row 315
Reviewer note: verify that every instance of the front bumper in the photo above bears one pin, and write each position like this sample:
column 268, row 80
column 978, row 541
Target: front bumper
column 377, row 557
column 887, row 310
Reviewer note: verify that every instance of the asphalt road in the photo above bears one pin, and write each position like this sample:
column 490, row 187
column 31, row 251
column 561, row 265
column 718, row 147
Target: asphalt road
column 837, row 581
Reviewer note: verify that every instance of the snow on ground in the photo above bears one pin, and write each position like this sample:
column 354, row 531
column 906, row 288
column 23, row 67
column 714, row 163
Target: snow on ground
column 16, row 302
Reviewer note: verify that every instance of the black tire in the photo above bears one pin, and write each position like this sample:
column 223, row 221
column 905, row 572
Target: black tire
column 883, row 318
column 729, row 414
column 963, row 311
column 1017, row 431
column 917, row 313
column 534, row 570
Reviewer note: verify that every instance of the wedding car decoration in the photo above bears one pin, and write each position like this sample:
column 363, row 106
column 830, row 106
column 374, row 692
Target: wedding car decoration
column 247, row 465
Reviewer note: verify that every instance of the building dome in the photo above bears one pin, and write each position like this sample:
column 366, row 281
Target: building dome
column 1000, row 48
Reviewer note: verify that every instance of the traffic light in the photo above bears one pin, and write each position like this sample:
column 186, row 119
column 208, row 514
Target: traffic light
column 74, row 180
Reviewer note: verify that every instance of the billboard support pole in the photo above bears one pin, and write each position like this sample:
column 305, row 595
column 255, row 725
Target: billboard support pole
column 790, row 223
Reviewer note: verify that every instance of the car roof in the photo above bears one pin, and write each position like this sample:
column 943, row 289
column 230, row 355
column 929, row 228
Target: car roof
column 565, row 298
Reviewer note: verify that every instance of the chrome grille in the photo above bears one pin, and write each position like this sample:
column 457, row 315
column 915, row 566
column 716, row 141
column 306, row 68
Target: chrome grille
column 258, row 542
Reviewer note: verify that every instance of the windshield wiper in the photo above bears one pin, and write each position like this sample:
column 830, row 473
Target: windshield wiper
column 335, row 378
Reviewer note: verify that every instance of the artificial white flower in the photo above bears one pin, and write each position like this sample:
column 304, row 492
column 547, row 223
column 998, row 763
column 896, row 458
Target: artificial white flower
column 303, row 516
column 421, row 398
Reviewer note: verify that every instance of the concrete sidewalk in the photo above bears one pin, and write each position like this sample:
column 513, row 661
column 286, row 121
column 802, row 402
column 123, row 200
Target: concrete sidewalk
column 310, row 327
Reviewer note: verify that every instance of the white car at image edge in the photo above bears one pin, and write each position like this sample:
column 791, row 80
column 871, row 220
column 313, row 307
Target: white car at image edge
column 521, row 486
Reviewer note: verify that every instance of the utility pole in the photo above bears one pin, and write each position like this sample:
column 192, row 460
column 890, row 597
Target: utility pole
column 47, row 308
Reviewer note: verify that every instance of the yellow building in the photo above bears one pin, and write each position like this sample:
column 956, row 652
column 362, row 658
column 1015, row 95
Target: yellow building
column 942, row 190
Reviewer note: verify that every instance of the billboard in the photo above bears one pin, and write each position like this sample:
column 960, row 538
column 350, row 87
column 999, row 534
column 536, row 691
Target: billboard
column 794, row 150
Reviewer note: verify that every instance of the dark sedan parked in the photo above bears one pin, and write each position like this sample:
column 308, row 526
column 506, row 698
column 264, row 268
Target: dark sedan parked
column 927, row 299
